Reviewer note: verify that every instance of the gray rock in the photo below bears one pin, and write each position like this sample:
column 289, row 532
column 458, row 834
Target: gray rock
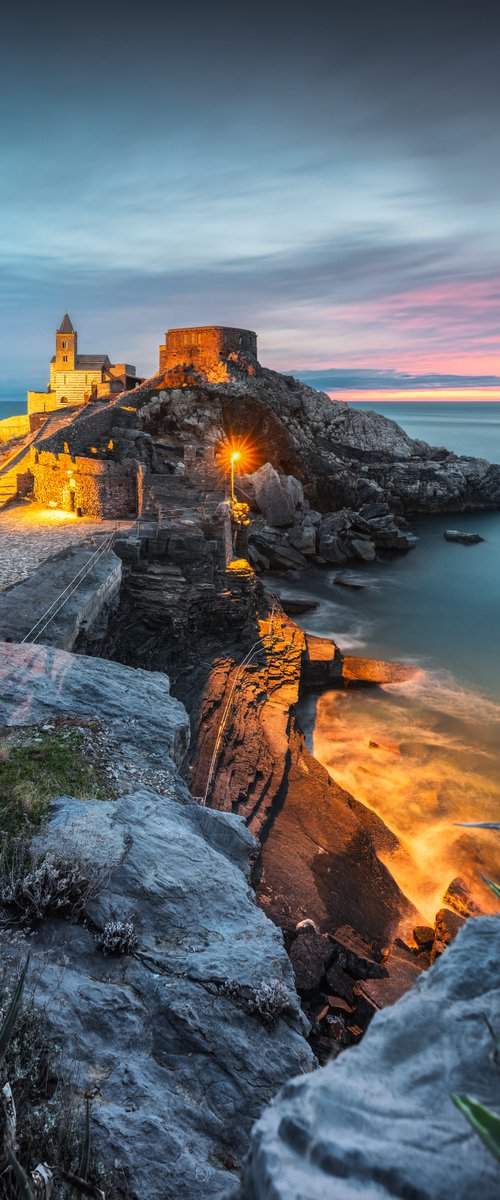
column 379, row 1121
column 171, row 1034
column 37, row 682
column 303, row 538
column 362, row 549
column 277, row 496
column 348, row 580
column 467, row 539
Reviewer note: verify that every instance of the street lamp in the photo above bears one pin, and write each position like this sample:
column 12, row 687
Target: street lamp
column 234, row 458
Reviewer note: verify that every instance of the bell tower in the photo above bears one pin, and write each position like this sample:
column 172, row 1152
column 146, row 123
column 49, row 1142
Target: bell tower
column 66, row 346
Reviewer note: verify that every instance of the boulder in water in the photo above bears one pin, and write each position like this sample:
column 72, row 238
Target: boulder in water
column 467, row 539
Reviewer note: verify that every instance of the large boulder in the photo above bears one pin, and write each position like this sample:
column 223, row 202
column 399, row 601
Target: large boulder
column 276, row 496
column 40, row 682
column 379, row 1122
column 188, row 1037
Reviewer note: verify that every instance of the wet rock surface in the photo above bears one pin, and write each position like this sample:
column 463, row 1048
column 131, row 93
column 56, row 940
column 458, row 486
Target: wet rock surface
column 379, row 1121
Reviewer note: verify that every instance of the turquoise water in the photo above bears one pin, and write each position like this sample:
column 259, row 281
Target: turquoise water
column 424, row 754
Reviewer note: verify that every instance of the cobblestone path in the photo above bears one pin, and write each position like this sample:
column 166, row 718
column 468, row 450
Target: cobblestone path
column 30, row 534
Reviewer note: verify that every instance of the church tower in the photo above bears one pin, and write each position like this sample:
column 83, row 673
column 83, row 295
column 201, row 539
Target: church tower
column 66, row 346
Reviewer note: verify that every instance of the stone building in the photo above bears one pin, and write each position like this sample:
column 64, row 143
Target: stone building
column 205, row 347
column 76, row 378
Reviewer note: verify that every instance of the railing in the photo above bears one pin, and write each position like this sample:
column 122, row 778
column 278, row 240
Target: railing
column 57, row 604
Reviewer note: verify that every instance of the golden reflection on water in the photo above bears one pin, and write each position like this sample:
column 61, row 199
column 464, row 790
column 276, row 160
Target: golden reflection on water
column 423, row 755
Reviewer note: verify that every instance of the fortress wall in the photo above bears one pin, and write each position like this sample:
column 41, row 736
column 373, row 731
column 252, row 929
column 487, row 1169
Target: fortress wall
column 14, row 427
column 100, row 489
column 205, row 345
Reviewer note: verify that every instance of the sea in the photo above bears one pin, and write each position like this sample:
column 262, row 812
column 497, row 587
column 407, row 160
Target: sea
column 425, row 754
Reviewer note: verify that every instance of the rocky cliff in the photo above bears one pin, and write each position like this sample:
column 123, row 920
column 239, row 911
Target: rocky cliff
column 344, row 458
column 184, row 1039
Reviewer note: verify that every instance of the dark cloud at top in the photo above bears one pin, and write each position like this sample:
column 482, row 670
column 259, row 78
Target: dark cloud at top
column 297, row 168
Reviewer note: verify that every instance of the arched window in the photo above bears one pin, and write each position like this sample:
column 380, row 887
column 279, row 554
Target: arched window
column 65, row 345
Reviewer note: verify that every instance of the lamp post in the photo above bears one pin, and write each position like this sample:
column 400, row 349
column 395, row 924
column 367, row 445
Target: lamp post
column 234, row 458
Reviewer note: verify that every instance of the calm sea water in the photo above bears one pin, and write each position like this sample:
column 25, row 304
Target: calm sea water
column 424, row 754
column 12, row 407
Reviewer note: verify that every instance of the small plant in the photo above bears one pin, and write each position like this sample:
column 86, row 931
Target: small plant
column 35, row 885
column 39, row 1183
column 269, row 1000
column 117, row 937
column 484, row 1122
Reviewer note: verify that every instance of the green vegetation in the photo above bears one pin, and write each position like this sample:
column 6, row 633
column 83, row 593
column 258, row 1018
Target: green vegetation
column 38, row 766
column 485, row 1122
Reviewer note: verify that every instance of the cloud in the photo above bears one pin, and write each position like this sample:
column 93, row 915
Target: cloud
column 336, row 379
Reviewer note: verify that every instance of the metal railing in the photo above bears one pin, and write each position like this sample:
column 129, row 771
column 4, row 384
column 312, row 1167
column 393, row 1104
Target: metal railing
column 74, row 583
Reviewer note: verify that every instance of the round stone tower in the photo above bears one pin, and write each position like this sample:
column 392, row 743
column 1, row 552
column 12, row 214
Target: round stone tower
column 204, row 346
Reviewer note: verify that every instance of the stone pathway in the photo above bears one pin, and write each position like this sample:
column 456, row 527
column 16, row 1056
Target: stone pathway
column 30, row 534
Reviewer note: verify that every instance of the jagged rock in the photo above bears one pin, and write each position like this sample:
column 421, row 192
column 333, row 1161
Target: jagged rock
column 136, row 705
column 467, row 539
column 340, row 982
column 361, row 549
column 447, row 925
column 303, row 538
column 402, row 972
column 294, row 605
column 424, row 936
column 332, row 549
column 310, row 954
column 355, row 956
column 379, row 1121
column 458, row 897
column 276, row 496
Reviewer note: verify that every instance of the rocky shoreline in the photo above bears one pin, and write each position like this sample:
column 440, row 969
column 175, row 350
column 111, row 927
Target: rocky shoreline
column 270, row 932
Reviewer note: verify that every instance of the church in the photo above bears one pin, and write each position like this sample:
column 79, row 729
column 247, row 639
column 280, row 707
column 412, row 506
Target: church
column 76, row 378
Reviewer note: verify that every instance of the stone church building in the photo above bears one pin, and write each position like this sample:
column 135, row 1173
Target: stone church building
column 76, row 378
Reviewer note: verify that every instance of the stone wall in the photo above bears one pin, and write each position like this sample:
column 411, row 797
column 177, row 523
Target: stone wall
column 102, row 489
column 41, row 402
column 204, row 346
column 14, row 427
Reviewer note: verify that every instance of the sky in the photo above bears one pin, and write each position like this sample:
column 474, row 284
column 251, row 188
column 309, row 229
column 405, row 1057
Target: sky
column 326, row 175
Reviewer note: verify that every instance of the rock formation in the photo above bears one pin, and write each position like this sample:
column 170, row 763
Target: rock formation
column 185, row 1039
column 379, row 1122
